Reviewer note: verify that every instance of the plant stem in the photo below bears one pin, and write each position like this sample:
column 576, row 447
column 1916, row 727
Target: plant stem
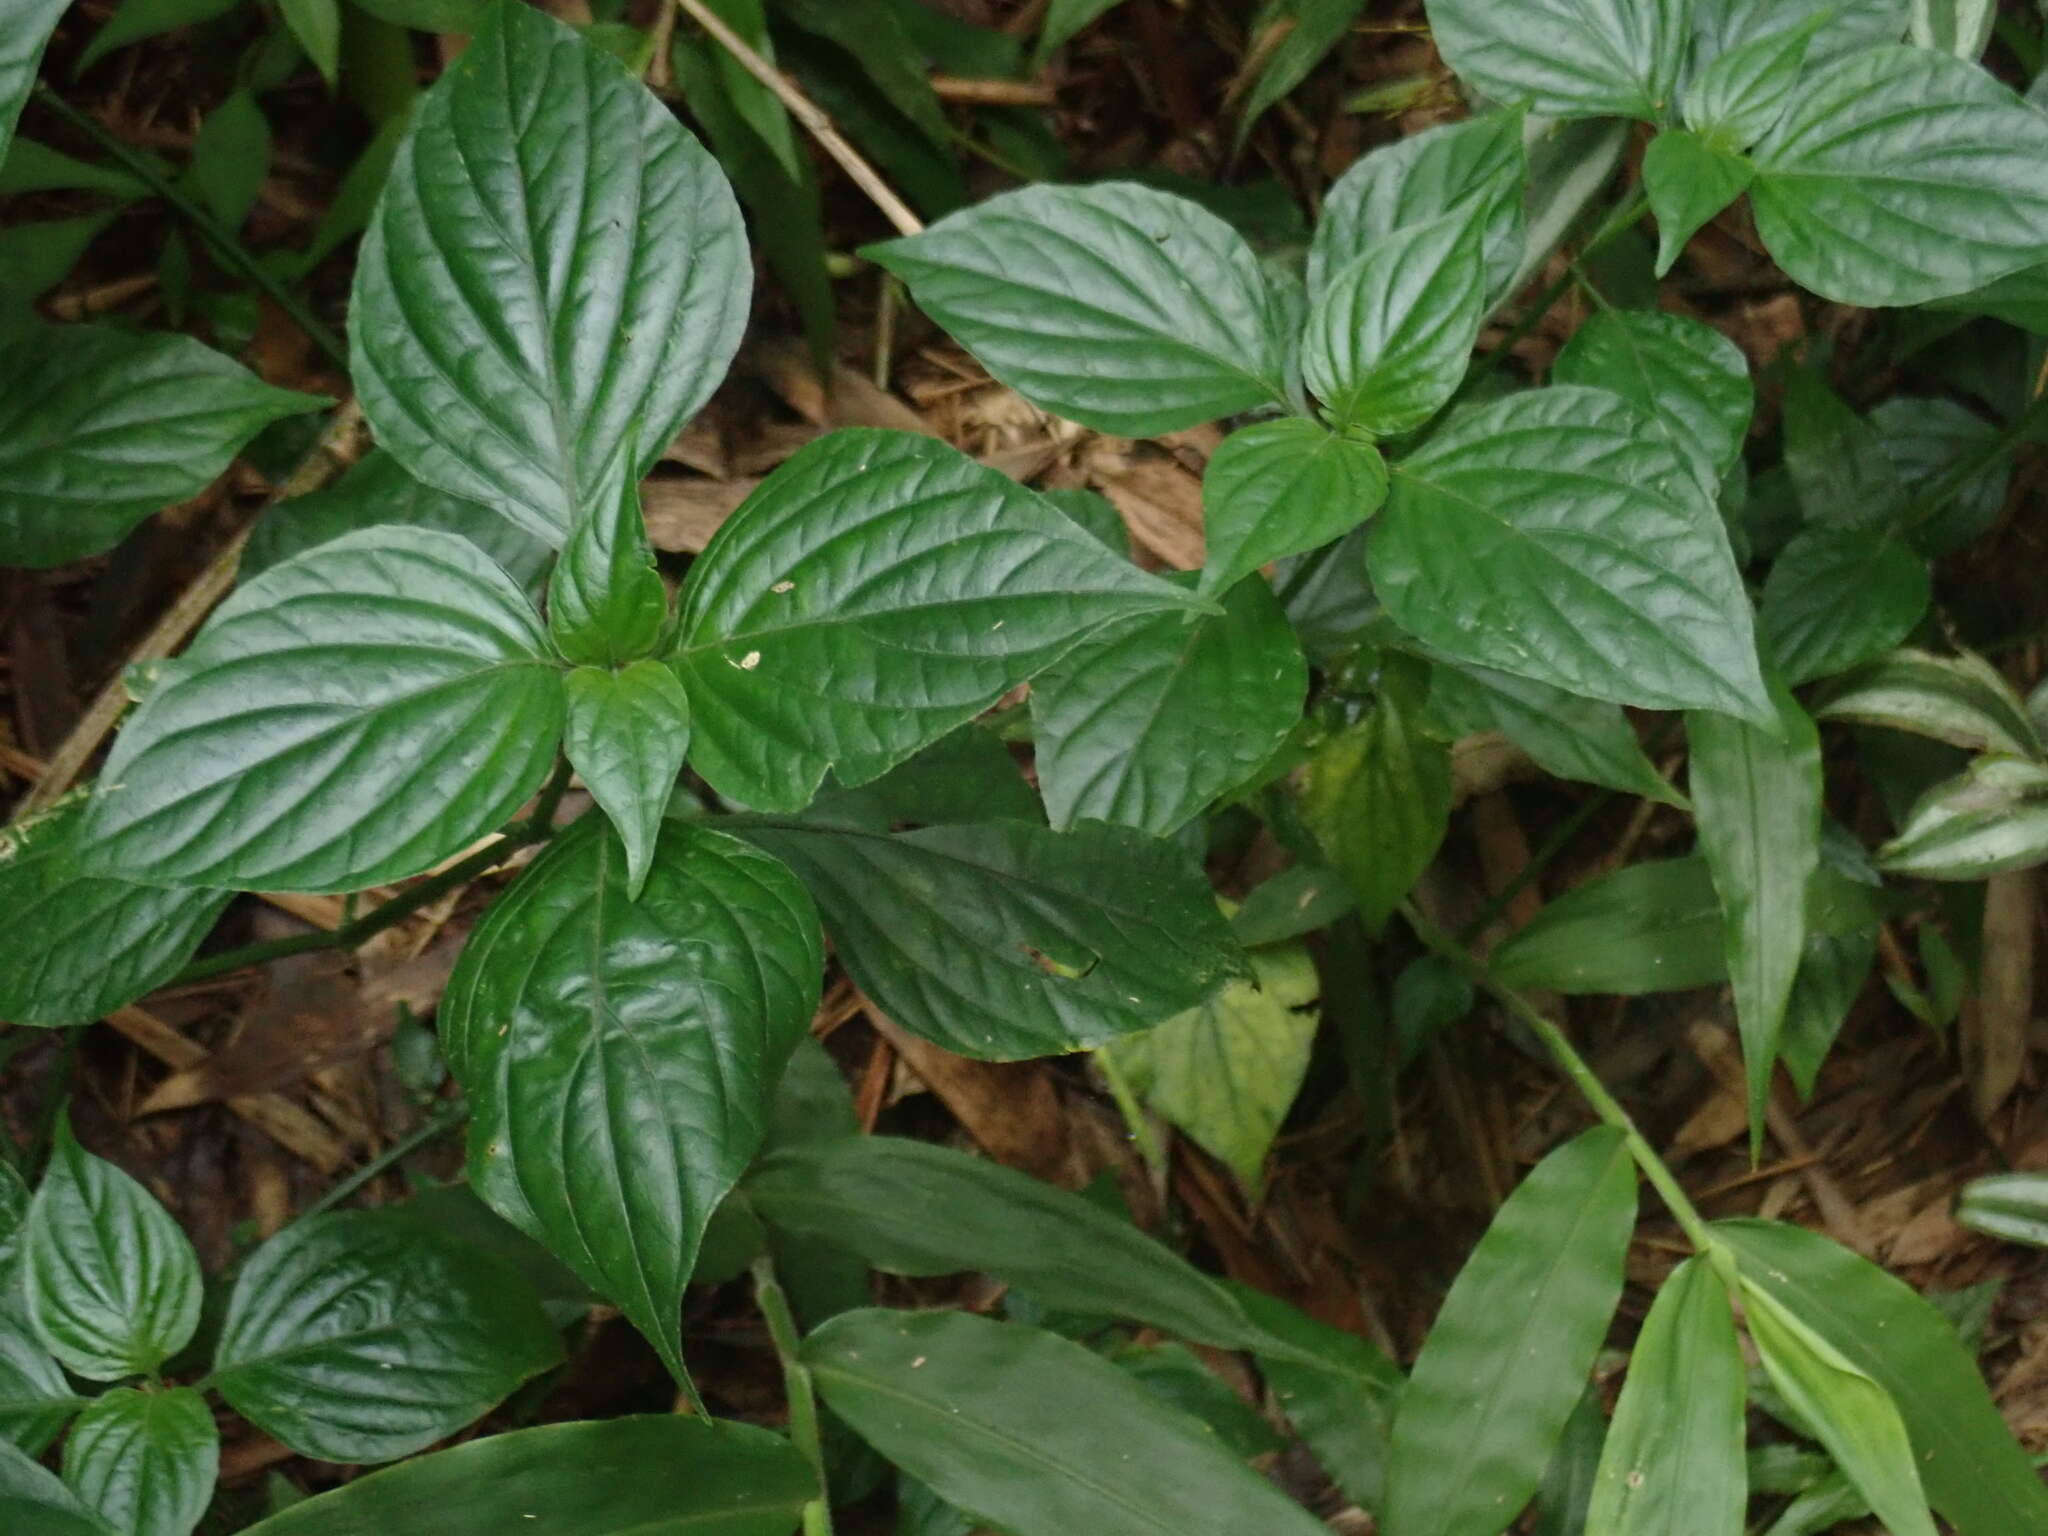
column 1142, row 1131
column 796, row 1381
column 446, row 1116
column 1605, row 1105
column 223, row 241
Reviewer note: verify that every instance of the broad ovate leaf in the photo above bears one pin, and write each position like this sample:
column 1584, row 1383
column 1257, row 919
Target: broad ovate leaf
column 1687, row 181
column 1685, row 376
column 555, row 267
column 1739, row 95
column 1280, row 488
column 113, row 1285
column 1034, row 1433
column 619, row 1054
column 1509, row 1353
column 1568, row 58
column 877, row 591
column 36, row 1402
column 1123, row 308
column 627, row 734
column 78, row 944
column 1990, row 818
column 354, row 715
column 363, row 1336
column 1839, row 597
column 1838, row 26
column 1149, row 722
column 1006, row 940
column 145, row 1461
column 34, row 1498
column 99, row 428
column 1902, row 175
column 1556, row 535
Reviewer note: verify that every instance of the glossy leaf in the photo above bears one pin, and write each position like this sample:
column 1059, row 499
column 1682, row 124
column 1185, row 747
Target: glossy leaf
column 1148, row 723
column 1279, row 488
column 1475, row 167
column 363, row 1336
column 1034, row 1433
column 553, row 263
column 1568, row 58
column 649, row 1475
column 1990, row 818
column 1836, row 459
column 1226, row 1073
column 879, row 590
column 1902, row 175
column 36, row 1402
column 1004, row 940
column 29, row 25
column 78, row 945
column 1930, row 440
column 1756, row 797
column 146, row 1461
column 1651, row 927
column 1673, row 1463
column 619, row 1054
column 1569, row 736
column 1845, row 26
column 968, row 775
column 1553, row 536
column 1685, row 376
column 626, row 737
column 606, row 603
column 1960, row 27
column 1688, row 181
column 99, row 428
column 1511, row 1348
column 1960, row 699
column 1125, row 309
column 914, row 1208
column 34, row 1499
column 354, row 715
column 1839, row 597
column 1740, row 94
column 113, row 1285
column 1975, row 1473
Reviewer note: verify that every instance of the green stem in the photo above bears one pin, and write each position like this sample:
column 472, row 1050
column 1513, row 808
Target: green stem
column 1142, row 1131
column 796, row 1380
column 445, row 1118
column 223, row 241
column 1605, row 1105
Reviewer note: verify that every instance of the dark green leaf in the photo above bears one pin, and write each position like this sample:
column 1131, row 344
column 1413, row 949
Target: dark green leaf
column 1005, row 940
column 36, row 1402
column 34, row 1500
column 1960, row 699
column 1992, row 817
column 1063, row 19
column 966, row 776
column 1554, row 536
column 99, row 428
column 231, row 158
column 553, row 262
column 1739, row 95
column 1095, row 512
column 1122, row 308
column 1280, row 488
column 363, row 1336
column 1511, row 1349
column 1688, row 181
column 1298, row 900
column 626, row 738
column 136, row 19
column 354, row 715
column 876, row 38
column 1838, row 597
column 464, row 16
column 1928, row 441
column 1176, row 1375
column 1568, row 58
column 1035, row 1433
column 146, row 1461
column 1567, row 1487
column 1653, row 927
column 1313, row 28
column 31, row 166
column 657, row 1475
column 1836, row 459
column 1149, row 722
column 317, row 26
column 1831, row 974
column 28, row 28
column 606, row 603
column 619, row 1055
column 113, row 1285
column 877, row 591
column 1682, row 374
column 1673, row 1465
column 34, row 258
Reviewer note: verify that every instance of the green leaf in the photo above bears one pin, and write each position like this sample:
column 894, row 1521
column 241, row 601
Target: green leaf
column 1739, row 95
column 1313, row 28
column 1226, row 1073
column 1511, row 1349
column 1391, row 334
column 36, row 1402
column 113, row 1285
column 619, row 1055
column 1149, row 722
column 1125, row 309
column 1685, row 376
column 1034, row 1433
column 352, row 716
column 1836, row 459
column 1960, row 699
column 1839, row 597
column 231, row 158
column 1991, row 817
column 1177, row 1376
column 1688, row 181
column 1673, row 1464
column 1840, row 26
column 966, row 776
column 877, row 591
column 34, row 258
column 606, row 602
column 1756, row 796
column 1475, row 167
column 1902, row 175
column 33, row 1499
column 1279, row 488
column 146, row 1461
column 1975, row 1473
column 877, row 40
column 554, row 262
column 1568, row 736
column 99, row 428
column 1005, row 941
column 464, row 16
column 2011, row 1206
column 1063, row 20
column 1298, row 900
column 1553, row 535
column 1652, row 927
column 918, row 1209
column 317, row 26
column 135, row 20
column 363, row 1336
column 14, row 1203
column 1930, row 439
column 1377, row 796
column 1960, row 27
column 28, row 28
column 1568, row 58
column 377, row 492
column 627, row 735
column 31, row 166
column 79, row 945
column 650, row 1475
column 1831, row 974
